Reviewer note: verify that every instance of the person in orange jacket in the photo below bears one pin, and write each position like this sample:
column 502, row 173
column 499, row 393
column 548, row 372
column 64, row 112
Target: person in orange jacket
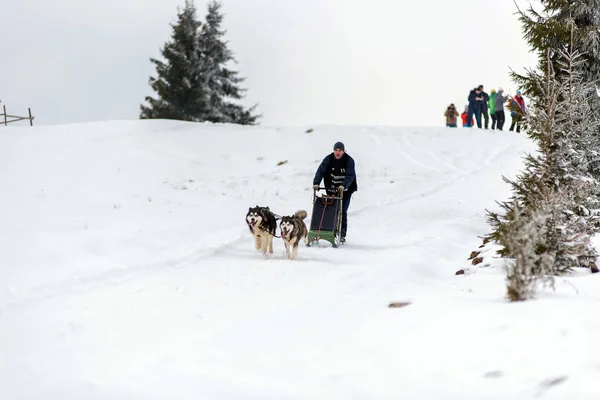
column 464, row 117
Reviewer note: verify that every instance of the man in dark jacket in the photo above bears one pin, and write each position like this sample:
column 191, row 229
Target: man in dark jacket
column 484, row 107
column 337, row 170
column 475, row 104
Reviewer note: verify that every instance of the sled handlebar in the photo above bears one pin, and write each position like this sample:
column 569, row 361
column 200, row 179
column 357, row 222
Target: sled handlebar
column 339, row 192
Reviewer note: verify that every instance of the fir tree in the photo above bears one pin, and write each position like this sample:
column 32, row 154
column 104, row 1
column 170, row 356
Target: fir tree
column 181, row 91
column 556, row 186
column 546, row 226
column 529, row 266
column 556, row 23
column 220, row 81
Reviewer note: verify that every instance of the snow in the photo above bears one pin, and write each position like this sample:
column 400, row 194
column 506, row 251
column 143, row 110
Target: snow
column 127, row 270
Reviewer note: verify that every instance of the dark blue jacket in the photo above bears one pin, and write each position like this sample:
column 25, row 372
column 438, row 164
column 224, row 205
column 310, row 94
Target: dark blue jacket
column 327, row 172
column 475, row 104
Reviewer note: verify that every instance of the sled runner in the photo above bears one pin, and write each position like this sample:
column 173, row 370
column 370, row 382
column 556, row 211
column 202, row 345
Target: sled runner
column 326, row 218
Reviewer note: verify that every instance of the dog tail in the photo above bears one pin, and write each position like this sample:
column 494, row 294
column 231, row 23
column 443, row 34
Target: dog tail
column 300, row 214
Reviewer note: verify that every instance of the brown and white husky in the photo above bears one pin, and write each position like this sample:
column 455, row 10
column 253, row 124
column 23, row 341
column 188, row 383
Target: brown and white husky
column 293, row 229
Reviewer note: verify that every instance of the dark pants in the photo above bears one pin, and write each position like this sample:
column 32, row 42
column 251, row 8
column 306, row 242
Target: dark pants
column 451, row 125
column 493, row 121
column 345, row 205
column 500, row 118
column 475, row 111
column 516, row 121
column 486, row 117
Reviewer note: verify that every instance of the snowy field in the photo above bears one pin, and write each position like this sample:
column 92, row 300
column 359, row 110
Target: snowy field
column 127, row 270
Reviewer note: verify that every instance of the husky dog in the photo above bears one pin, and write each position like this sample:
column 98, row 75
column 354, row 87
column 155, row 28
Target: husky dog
column 293, row 229
column 262, row 224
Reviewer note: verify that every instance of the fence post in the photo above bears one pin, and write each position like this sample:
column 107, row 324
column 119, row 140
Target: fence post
column 5, row 123
column 30, row 117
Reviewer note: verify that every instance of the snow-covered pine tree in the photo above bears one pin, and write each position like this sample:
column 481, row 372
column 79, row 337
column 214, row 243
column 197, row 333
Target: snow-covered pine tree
column 550, row 24
column 528, row 267
column 556, row 186
column 220, row 81
column 181, row 92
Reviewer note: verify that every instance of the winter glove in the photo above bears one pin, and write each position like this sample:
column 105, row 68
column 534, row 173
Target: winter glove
column 340, row 188
column 316, row 187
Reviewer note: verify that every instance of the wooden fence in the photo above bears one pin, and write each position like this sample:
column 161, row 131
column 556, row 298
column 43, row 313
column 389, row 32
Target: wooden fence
column 16, row 118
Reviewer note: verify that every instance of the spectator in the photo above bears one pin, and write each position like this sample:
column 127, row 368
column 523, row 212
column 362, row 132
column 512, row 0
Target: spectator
column 475, row 102
column 451, row 116
column 518, row 111
column 484, row 108
column 464, row 116
column 499, row 100
column 492, row 108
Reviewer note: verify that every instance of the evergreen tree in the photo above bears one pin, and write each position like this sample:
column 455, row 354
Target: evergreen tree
column 220, row 81
column 556, row 23
column 546, row 226
column 195, row 83
column 560, row 22
column 529, row 266
column 556, row 186
column 181, row 91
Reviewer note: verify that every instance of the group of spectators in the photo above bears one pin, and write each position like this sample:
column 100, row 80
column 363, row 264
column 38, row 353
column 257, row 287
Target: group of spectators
column 492, row 105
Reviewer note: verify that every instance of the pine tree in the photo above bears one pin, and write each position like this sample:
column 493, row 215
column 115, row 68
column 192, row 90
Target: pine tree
column 546, row 226
column 529, row 266
column 181, row 91
column 556, row 186
column 556, row 23
column 220, row 81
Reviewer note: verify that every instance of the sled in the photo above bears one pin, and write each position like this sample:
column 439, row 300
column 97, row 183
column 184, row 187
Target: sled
column 326, row 218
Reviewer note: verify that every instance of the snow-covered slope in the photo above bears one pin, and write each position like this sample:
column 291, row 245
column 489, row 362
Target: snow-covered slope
column 127, row 270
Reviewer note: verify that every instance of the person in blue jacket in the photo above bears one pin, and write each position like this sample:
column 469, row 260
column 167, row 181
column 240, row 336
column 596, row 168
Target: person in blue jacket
column 338, row 172
column 476, row 104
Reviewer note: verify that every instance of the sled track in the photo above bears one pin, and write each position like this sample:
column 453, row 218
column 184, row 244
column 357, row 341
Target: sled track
column 125, row 274
column 495, row 156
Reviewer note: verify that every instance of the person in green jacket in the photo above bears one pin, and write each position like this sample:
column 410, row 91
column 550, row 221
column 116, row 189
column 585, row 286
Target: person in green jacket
column 492, row 106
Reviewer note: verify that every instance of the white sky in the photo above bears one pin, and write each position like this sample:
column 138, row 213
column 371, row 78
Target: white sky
column 379, row 62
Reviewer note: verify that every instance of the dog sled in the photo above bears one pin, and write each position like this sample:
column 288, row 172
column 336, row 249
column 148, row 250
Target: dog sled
column 326, row 218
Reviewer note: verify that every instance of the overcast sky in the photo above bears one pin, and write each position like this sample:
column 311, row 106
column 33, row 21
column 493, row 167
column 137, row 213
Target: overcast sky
column 375, row 62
